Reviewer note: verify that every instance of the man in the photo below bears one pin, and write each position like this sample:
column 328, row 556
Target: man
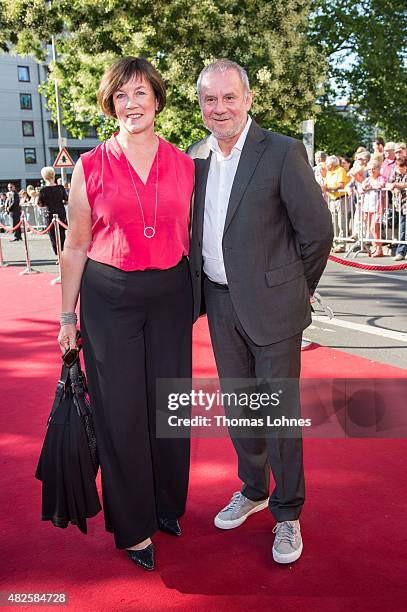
column 335, row 182
column 387, row 168
column 400, row 151
column 378, row 145
column 14, row 209
column 261, row 237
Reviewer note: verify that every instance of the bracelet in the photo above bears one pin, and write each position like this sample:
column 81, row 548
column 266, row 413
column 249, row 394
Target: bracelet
column 68, row 318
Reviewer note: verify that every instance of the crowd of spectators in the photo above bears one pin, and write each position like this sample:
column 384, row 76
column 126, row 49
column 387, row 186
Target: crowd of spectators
column 38, row 204
column 371, row 191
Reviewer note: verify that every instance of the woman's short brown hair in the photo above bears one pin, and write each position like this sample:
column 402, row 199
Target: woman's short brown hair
column 120, row 73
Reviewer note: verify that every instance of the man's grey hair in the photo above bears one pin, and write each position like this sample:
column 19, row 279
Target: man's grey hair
column 222, row 65
column 332, row 159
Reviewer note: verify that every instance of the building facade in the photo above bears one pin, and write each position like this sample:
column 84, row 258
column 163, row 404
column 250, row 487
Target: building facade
column 28, row 137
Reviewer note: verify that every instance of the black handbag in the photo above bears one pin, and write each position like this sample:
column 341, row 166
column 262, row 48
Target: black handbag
column 69, row 461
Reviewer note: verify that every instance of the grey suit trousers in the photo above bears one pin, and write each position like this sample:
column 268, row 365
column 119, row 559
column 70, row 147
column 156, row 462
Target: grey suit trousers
column 238, row 357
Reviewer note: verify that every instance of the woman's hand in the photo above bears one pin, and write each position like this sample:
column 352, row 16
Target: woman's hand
column 67, row 337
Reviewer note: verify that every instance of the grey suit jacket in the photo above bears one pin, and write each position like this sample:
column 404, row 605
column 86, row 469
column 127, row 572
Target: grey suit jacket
column 277, row 235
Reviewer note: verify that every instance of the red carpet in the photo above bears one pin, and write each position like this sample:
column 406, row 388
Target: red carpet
column 355, row 553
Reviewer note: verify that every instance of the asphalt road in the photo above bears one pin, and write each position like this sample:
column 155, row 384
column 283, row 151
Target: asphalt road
column 370, row 313
column 370, row 307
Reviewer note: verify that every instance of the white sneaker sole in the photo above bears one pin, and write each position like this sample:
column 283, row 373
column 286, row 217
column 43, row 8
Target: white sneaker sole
column 290, row 558
column 221, row 524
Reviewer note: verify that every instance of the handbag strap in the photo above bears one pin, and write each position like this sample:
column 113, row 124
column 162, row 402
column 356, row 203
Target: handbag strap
column 74, row 377
column 79, row 389
column 60, row 390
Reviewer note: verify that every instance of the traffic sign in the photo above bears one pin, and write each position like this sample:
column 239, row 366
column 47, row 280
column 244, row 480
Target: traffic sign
column 63, row 160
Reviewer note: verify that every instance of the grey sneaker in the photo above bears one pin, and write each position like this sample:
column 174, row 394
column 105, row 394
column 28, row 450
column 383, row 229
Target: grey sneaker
column 237, row 511
column 287, row 546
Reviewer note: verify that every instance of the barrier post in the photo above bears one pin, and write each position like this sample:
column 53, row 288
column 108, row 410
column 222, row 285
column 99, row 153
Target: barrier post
column 57, row 279
column 2, row 262
column 28, row 269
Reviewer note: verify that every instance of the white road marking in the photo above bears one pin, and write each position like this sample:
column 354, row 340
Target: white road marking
column 381, row 274
column 367, row 329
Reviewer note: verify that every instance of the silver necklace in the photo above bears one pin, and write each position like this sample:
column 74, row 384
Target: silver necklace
column 149, row 230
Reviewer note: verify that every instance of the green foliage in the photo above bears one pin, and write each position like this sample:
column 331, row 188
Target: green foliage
column 285, row 45
column 269, row 38
column 338, row 133
column 365, row 44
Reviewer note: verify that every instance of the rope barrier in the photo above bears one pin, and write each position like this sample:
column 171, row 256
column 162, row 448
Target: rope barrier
column 28, row 269
column 354, row 264
column 56, row 222
column 11, row 229
column 62, row 223
column 38, row 232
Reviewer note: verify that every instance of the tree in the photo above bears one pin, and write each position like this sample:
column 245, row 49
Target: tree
column 269, row 38
column 365, row 44
column 338, row 133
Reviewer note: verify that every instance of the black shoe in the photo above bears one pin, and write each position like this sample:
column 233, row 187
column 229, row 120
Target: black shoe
column 143, row 557
column 15, row 239
column 169, row 526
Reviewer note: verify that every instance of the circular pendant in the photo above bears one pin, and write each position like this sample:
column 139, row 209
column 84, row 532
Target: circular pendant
column 149, row 231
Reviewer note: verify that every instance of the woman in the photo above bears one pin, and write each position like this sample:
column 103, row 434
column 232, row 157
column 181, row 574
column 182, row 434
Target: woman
column 53, row 198
column 126, row 252
column 373, row 204
column 345, row 163
column 353, row 190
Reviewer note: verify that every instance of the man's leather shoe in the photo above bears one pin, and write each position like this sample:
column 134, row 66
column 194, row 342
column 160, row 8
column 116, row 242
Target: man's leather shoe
column 15, row 239
column 169, row 526
column 143, row 557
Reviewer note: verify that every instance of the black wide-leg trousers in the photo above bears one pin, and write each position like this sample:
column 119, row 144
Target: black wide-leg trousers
column 136, row 328
column 237, row 357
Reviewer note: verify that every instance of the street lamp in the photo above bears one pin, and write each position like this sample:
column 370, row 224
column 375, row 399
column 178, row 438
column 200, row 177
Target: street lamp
column 61, row 139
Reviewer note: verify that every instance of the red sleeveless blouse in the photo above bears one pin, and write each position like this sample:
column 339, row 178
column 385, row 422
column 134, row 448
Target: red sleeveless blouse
column 117, row 223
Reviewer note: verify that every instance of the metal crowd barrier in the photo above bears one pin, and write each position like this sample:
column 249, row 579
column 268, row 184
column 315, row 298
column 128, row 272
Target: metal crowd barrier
column 25, row 225
column 376, row 217
column 34, row 214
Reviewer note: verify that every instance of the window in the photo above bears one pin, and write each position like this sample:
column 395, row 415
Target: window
column 30, row 156
column 52, row 130
column 90, row 131
column 23, row 74
column 25, row 101
column 28, row 128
